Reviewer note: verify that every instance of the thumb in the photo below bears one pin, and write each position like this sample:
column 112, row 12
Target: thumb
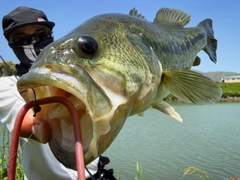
column 41, row 130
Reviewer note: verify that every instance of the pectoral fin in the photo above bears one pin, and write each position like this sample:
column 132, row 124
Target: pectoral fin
column 167, row 109
column 191, row 86
column 197, row 61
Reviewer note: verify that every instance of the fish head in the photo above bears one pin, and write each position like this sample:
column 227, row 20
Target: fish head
column 108, row 74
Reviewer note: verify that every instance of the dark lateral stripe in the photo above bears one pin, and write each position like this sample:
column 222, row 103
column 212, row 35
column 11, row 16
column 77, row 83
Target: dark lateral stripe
column 197, row 38
column 182, row 46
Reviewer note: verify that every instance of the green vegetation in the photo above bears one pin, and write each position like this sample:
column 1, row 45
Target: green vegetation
column 202, row 174
column 139, row 171
column 197, row 171
column 230, row 89
column 3, row 151
column 4, row 156
column 7, row 69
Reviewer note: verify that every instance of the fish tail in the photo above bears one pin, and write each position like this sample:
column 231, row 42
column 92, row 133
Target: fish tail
column 211, row 47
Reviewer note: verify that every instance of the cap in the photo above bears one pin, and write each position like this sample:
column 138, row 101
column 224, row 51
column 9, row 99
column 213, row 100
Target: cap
column 22, row 16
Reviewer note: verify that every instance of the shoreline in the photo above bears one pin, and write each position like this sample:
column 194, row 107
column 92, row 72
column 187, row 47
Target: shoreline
column 229, row 98
column 223, row 99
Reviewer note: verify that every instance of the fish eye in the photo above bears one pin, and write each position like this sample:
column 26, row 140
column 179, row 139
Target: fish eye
column 87, row 45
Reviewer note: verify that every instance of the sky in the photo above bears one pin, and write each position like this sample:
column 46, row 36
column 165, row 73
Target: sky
column 68, row 14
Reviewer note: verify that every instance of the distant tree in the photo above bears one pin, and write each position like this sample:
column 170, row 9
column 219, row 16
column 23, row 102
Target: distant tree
column 7, row 69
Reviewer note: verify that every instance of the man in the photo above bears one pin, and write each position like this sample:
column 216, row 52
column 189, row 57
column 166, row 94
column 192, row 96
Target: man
column 28, row 31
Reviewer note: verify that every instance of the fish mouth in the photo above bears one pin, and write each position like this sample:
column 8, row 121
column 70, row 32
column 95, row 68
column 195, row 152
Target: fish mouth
column 93, row 105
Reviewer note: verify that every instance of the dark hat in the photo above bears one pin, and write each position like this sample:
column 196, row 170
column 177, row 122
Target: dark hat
column 22, row 16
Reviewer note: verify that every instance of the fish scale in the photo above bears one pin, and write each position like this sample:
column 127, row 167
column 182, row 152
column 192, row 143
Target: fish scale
column 113, row 66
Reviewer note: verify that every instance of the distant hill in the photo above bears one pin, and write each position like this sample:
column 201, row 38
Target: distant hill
column 216, row 76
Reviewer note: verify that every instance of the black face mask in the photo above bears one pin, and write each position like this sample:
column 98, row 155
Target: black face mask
column 27, row 54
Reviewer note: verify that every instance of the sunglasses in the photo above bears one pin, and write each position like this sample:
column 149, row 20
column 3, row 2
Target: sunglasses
column 24, row 39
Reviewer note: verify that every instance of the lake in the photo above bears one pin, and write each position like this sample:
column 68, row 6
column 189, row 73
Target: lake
column 208, row 138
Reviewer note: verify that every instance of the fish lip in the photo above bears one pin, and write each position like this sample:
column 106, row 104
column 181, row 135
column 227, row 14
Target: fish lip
column 40, row 77
column 83, row 87
column 48, row 80
column 45, row 82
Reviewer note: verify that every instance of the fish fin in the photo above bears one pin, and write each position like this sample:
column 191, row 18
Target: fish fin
column 190, row 86
column 197, row 61
column 211, row 47
column 167, row 109
column 172, row 16
column 134, row 12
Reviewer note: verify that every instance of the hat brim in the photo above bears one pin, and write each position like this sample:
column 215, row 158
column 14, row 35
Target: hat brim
column 8, row 31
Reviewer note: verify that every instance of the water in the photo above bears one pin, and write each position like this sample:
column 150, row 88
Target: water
column 208, row 138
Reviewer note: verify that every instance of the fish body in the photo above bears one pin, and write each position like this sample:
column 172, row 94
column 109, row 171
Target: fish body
column 166, row 35
column 113, row 66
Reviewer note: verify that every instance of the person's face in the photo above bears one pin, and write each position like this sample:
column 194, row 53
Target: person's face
column 30, row 34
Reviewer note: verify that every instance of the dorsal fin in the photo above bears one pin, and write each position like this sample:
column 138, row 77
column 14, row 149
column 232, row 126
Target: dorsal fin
column 172, row 16
column 134, row 12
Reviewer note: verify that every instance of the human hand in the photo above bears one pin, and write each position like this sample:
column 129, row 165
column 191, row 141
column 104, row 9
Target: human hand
column 35, row 128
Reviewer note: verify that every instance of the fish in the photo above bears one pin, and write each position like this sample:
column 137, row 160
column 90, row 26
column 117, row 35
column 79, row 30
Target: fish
column 116, row 65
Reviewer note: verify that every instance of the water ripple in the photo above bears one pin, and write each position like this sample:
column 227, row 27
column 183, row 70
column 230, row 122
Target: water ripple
column 208, row 138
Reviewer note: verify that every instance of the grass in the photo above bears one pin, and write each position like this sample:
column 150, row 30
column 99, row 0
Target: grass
column 139, row 171
column 202, row 174
column 4, row 155
column 197, row 171
column 230, row 89
column 4, row 147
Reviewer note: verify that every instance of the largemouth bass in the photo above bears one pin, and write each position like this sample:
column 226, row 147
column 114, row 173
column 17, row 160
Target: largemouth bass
column 113, row 66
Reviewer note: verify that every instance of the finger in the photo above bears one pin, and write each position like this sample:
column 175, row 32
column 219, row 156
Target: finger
column 41, row 130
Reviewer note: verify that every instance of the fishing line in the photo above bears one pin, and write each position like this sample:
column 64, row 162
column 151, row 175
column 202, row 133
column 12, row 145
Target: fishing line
column 36, row 108
column 93, row 178
column 20, row 147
